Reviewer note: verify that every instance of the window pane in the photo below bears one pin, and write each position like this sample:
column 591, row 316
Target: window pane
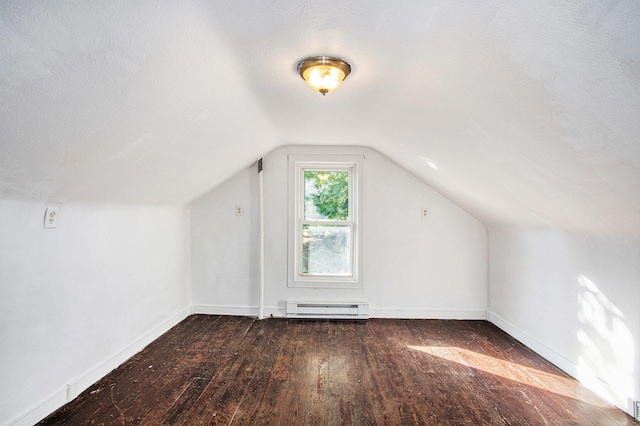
column 325, row 250
column 326, row 195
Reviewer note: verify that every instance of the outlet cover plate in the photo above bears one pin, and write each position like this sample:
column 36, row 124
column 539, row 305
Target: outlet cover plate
column 51, row 218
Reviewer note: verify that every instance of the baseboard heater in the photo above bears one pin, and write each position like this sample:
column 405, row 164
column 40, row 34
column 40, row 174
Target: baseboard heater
column 336, row 310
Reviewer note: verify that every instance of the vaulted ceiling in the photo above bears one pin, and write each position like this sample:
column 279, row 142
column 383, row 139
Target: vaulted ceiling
column 522, row 113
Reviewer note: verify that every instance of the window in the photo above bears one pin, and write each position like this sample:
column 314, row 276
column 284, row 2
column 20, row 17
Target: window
column 325, row 233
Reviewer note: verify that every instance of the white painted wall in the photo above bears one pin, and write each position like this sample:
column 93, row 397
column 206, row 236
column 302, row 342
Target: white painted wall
column 414, row 267
column 574, row 299
column 78, row 300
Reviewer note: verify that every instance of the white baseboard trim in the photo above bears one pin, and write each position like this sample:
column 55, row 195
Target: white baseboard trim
column 48, row 405
column 243, row 311
column 252, row 311
column 42, row 409
column 590, row 381
column 427, row 314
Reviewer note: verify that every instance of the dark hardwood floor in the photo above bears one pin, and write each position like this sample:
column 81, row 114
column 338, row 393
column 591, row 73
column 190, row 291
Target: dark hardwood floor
column 240, row 371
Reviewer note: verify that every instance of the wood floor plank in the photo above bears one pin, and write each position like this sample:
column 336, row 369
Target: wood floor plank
column 219, row 400
column 169, row 385
column 316, row 376
column 434, row 374
column 202, row 370
column 338, row 390
column 293, row 400
column 254, row 393
column 276, row 389
column 365, row 409
column 212, row 370
column 400, row 406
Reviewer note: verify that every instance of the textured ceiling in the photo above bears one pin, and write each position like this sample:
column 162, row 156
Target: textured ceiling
column 522, row 113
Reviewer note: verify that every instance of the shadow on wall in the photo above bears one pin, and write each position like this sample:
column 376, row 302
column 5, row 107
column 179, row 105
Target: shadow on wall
column 607, row 348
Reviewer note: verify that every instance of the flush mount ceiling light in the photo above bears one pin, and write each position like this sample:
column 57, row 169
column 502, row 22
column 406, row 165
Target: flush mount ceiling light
column 323, row 73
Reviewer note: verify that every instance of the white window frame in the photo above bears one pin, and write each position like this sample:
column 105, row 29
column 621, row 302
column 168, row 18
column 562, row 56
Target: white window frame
column 297, row 166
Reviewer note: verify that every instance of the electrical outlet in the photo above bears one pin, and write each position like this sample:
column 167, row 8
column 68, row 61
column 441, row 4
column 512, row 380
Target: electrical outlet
column 51, row 218
column 239, row 210
column 424, row 212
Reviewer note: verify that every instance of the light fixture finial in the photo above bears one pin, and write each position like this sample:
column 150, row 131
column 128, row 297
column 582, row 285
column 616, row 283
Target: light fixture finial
column 324, row 73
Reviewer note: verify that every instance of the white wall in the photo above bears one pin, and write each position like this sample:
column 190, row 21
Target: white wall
column 574, row 299
column 414, row 267
column 78, row 300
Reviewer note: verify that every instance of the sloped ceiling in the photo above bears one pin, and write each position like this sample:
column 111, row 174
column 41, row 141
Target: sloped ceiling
column 524, row 113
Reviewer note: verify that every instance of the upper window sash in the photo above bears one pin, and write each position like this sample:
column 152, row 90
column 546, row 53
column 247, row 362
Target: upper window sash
column 302, row 210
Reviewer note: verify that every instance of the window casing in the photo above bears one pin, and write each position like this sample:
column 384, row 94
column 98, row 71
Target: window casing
column 325, row 221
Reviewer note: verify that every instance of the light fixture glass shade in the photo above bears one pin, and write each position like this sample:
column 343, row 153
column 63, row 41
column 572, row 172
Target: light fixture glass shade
column 323, row 73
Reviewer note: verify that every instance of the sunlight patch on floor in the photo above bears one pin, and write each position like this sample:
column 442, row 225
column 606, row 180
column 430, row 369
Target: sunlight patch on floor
column 529, row 376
